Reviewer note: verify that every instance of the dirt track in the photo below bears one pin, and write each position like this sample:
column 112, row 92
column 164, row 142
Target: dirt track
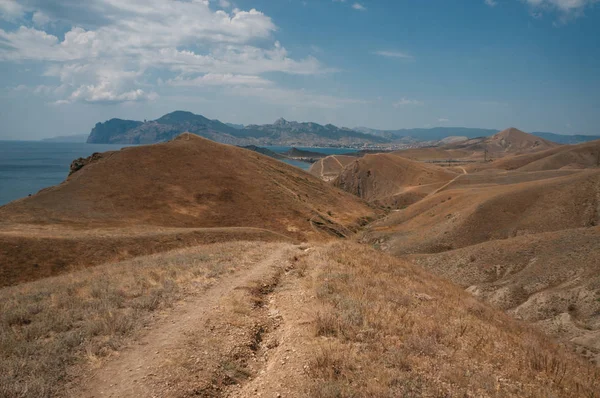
column 147, row 367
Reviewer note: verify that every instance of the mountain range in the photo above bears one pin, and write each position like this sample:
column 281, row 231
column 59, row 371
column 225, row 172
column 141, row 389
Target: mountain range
column 283, row 132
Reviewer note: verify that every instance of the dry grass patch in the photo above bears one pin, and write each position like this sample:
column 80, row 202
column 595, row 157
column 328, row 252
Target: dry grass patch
column 47, row 325
column 390, row 329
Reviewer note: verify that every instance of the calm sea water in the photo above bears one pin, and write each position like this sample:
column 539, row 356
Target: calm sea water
column 28, row 166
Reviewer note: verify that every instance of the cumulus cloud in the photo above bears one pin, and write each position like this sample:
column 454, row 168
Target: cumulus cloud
column 567, row 9
column 359, row 7
column 10, row 10
column 491, row 3
column 111, row 58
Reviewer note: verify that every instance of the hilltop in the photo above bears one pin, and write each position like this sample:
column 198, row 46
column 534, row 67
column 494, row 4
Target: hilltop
column 187, row 186
column 579, row 156
column 510, row 141
column 391, row 180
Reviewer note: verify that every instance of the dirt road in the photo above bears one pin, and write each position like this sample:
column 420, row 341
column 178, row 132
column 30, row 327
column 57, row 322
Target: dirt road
column 152, row 366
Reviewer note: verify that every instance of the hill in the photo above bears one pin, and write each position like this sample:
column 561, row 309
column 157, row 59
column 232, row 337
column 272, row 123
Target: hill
column 436, row 154
column 282, row 132
column 390, row 180
column 189, row 182
column 330, row 167
column 290, row 133
column 442, row 133
column 509, row 141
column 579, row 156
column 524, row 241
column 272, row 319
column 479, row 211
column 548, row 279
column 265, row 151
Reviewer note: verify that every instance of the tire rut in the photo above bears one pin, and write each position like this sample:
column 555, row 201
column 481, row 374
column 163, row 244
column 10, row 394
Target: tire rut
column 202, row 347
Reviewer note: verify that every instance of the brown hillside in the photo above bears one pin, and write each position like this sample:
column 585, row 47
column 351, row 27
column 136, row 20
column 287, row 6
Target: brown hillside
column 330, row 167
column 274, row 320
column 549, row 279
column 455, row 218
column 391, row 180
column 189, row 182
column 578, row 156
column 430, row 154
column 511, row 141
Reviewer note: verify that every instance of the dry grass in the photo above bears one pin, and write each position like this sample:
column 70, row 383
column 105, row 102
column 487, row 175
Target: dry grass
column 392, row 330
column 48, row 325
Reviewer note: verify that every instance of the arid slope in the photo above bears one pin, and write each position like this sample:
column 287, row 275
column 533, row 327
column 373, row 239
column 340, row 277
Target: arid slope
column 550, row 279
column 580, row 156
column 189, row 183
column 391, row 180
column 455, row 218
column 330, row 167
column 511, row 141
column 245, row 320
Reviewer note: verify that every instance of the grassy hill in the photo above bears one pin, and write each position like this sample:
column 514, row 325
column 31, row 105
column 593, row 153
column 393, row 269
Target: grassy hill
column 160, row 192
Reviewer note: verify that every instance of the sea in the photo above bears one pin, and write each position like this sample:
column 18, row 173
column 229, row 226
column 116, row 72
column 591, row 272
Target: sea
column 29, row 166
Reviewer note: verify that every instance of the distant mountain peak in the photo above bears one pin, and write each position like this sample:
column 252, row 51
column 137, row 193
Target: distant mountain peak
column 280, row 122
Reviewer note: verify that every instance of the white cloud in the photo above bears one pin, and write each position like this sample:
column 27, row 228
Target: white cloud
column 443, row 120
column 394, row 54
column 405, row 101
column 359, row 7
column 10, row 10
column 40, row 19
column 567, row 9
column 111, row 60
column 491, row 3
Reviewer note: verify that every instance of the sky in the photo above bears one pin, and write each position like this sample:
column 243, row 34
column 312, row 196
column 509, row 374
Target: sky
column 387, row 64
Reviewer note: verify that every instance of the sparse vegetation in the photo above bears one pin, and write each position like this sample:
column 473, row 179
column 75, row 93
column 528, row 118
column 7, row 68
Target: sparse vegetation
column 48, row 325
column 393, row 330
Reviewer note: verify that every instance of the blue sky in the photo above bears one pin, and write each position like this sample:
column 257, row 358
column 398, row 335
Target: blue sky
column 533, row 64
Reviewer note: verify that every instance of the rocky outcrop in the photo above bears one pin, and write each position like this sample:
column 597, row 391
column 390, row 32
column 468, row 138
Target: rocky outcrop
column 80, row 163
